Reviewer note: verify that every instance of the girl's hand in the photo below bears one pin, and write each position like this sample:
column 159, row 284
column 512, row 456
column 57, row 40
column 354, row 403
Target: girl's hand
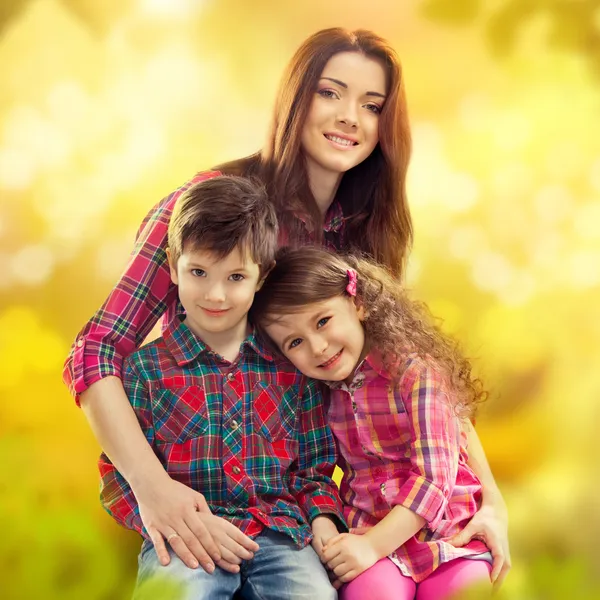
column 169, row 511
column 349, row 555
column 323, row 529
column 490, row 525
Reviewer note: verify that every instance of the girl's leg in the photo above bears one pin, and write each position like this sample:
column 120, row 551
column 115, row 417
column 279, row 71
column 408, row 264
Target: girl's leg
column 383, row 581
column 453, row 577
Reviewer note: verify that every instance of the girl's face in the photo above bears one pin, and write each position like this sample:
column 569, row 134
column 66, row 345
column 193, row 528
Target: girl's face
column 342, row 126
column 325, row 340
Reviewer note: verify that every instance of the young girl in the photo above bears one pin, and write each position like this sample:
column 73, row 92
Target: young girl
column 399, row 390
column 335, row 166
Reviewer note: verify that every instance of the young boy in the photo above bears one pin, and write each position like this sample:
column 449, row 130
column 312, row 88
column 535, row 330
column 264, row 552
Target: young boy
column 226, row 417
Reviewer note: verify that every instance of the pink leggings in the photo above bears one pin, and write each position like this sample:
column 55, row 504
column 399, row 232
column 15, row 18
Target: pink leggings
column 384, row 581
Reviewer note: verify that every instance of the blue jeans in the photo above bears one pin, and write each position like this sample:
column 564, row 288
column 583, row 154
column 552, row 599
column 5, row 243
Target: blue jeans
column 278, row 571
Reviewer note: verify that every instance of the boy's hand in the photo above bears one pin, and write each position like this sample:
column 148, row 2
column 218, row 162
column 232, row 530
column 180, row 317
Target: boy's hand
column 323, row 529
column 348, row 555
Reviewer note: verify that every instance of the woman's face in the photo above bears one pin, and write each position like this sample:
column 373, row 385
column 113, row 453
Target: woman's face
column 342, row 126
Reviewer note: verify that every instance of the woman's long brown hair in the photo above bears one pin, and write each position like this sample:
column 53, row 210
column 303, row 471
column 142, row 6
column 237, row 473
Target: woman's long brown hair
column 396, row 326
column 373, row 193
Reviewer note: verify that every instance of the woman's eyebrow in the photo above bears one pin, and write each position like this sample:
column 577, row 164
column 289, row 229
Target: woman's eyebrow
column 345, row 85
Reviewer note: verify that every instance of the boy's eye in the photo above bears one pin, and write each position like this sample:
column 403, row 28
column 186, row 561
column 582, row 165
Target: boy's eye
column 198, row 272
column 237, row 277
column 294, row 343
column 322, row 321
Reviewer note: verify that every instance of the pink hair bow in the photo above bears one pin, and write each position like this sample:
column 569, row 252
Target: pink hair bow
column 352, row 277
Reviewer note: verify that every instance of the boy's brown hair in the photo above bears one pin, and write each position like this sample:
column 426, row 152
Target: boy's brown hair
column 224, row 213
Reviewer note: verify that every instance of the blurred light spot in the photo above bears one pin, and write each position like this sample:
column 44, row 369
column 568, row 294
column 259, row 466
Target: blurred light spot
column 413, row 270
column 112, row 256
column 512, row 179
column 5, row 270
column 467, row 241
column 521, row 289
column 170, row 8
column 491, row 272
column 587, row 221
column 427, row 138
column 474, row 111
column 461, row 191
column 565, row 160
column 553, row 203
column 584, row 271
column 17, row 169
column 595, row 175
column 32, row 265
column 511, row 130
column 68, row 103
column 448, row 312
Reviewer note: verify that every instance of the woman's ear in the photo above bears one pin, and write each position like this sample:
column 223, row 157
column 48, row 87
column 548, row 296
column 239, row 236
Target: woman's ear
column 172, row 267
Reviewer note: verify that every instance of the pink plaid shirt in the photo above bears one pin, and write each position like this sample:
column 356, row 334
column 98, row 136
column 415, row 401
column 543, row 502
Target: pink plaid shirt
column 402, row 445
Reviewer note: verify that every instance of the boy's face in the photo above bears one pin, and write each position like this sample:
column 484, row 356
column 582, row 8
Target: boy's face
column 216, row 292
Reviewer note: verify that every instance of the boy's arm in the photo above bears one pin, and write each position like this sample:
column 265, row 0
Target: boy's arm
column 311, row 482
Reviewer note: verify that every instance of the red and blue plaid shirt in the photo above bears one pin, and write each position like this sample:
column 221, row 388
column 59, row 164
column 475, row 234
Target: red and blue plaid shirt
column 250, row 435
column 144, row 293
column 403, row 445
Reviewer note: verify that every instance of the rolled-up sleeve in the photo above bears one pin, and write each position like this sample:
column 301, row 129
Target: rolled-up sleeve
column 141, row 296
column 435, row 445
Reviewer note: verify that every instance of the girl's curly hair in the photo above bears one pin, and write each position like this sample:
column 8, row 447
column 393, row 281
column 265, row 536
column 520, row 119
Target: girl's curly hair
column 394, row 324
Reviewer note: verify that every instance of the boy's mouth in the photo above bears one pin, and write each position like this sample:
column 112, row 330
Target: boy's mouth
column 332, row 361
column 214, row 312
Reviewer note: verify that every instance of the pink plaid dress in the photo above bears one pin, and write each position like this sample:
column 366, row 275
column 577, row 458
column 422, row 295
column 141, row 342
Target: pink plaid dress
column 403, row 445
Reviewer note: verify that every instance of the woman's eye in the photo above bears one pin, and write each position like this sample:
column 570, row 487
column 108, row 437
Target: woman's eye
column 323, row 321
column 237, row 277
column 327, row 94
column 373, row 108
column 294, row 343
column 198, row 273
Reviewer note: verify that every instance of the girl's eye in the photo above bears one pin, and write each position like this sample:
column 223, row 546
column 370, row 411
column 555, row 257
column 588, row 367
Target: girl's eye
column 294, row 343
column 327, row 93
column 373, row 108
column 237, row 277
column 322, row 322
column 198, row 273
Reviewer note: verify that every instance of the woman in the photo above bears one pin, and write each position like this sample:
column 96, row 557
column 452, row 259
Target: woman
column 335, row 168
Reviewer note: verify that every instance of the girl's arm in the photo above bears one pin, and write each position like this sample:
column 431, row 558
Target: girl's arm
column 93, row 370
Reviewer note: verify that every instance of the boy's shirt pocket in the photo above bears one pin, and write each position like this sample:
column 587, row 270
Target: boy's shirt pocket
column 180, row 414
column 275, row 411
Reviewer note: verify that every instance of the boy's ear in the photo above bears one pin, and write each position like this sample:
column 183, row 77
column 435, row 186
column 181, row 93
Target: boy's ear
column 172, row 267
column 265, row 274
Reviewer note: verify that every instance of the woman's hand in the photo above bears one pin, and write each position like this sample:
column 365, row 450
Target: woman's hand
column 173, row 512
column 490, row 525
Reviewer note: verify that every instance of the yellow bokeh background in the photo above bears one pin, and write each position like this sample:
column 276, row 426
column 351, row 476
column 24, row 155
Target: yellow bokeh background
column 105, row 107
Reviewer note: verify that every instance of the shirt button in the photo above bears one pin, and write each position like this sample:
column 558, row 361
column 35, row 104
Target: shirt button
column 236, row 470
column 234, row 424
column 230, row 376
column 382, row 488
column 79, row 343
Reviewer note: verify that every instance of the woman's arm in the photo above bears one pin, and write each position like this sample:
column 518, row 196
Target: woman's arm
column 491, row 521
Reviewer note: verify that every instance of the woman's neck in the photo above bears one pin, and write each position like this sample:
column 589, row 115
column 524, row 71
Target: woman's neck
column 323, row 185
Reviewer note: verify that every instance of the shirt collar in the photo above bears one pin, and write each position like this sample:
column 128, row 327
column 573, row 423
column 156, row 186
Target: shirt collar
column 185, row 346
column 371, row 366
column 334, row 217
